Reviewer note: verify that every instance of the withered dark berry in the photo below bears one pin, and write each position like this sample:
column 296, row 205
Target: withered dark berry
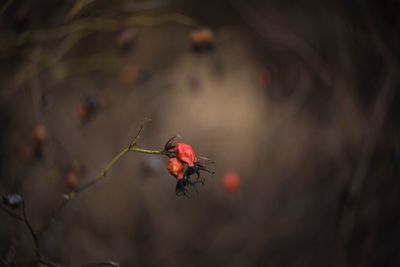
column 13, row 200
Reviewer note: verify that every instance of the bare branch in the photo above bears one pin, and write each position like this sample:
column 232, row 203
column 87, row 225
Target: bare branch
column 33, row 234
column 104, row 263
column 137, row 136
column 284, row 37
column 57, row 212
column 71, row 195
column 11, row 213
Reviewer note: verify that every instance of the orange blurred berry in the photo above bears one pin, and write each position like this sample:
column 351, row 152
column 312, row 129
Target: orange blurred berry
column 265, row 77
column 231, row 182
column 83, row 111
column 39, row 133
column 129, row 74
column 201, row 37
column 24, row 152
column 71, row 180
column 175, row 168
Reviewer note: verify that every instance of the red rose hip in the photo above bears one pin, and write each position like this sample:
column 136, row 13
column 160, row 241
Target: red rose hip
column 186, row 154
column 175, row 168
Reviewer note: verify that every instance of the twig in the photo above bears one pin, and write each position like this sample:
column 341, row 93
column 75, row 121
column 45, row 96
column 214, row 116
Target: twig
column 285, row 38
column 48, row 263
column 5, row 6
column 378, row 117
column 104, row 263
column 47, row 225
column 71, row 195
column 382, row 48
column 11, row 213
column 137, row 136
column 33, row 234
column 39, row 258
column 88, row 26
column 348, row 214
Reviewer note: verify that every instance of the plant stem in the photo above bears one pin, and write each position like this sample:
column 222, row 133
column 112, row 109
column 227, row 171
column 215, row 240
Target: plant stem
column 69, row 196
column 108, row 167
column 145, row 151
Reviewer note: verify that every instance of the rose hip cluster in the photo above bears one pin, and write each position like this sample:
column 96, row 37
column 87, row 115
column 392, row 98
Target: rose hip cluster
column 183, row 164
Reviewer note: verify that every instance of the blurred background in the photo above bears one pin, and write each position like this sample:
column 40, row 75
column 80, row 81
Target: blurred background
column 295, row 102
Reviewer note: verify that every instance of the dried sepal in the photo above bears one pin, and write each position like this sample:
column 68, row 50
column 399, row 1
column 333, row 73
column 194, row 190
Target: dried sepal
column 170, row 146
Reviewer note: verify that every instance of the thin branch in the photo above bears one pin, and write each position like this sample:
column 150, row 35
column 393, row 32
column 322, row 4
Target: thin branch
column 57, row 212
column 382, row 47
column 104, row 263
column 71, row 195
column 39, row 258
column 348, row 214
column 49, row 263
column 381, row 108
column 33, row 234
column 137, row 136
column 91, row 25
column 11, row 213
column 284, row 37
column 5, row 6
column 52, row 264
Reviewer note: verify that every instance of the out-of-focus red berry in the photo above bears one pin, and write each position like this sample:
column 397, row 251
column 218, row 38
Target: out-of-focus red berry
column 201, row 37
column 39, row 133
column 175, row 168
column 129, row 74
column 125, row 38
column 265, row 77
column 88, row 108
column 231, row 182
column 83, row 111
column 186, row 154
column 71, row 180
column 24, row 152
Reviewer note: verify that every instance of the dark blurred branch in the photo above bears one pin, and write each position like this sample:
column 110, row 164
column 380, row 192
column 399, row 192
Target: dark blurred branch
column 39, row 257
column 88, row 26
column 72, row 33
column 25, row 220
column 353, row 194
column 143, row 5
column 104, row 263
column 5, row 6
column 48, row 263
column 32, row 232
column 283, row 37
column 376, row 37
column 53, row 219
column 11, row 213
column 381, row 108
